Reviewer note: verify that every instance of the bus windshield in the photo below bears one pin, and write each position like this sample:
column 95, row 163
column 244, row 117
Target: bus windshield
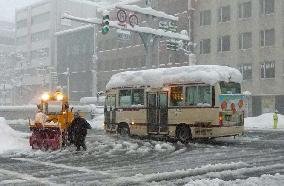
column 230, row 88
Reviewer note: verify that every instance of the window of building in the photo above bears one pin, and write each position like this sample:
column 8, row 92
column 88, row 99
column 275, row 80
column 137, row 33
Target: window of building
column 268, row 69
column 21, row 40
column 205, row 17
column 21, row 24
column 246, row 70
column 176, row 96
column 245, row 40
column 40, row 36
column 40, row 53
column 245, row 10
column 198, row 96
column 224, row 43
column 267, row 7
column 205, row 46
column 6, row 40
column 41, row 18
column 267, row 37
column 224, row 14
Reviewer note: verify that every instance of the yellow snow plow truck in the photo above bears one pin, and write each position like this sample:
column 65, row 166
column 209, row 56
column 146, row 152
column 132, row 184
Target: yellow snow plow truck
column 50, row 126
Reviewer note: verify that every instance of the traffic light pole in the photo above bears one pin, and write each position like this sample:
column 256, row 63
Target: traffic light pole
column 148, row 35
column 148, row 41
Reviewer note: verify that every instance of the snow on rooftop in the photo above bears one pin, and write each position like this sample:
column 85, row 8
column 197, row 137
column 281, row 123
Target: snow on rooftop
column 156, row 78
column 147, row 11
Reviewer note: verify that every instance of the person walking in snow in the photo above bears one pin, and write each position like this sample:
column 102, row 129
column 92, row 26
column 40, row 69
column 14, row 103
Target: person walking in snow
column 275, row 119
column 78, row 131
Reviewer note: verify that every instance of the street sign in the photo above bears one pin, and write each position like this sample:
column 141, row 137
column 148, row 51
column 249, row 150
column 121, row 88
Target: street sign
column 123, row 35
column 163, row 25
column 121, row 16
column 133, row 20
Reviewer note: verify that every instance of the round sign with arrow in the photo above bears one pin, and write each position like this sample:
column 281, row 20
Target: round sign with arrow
column 121, row 16
column 133, row 20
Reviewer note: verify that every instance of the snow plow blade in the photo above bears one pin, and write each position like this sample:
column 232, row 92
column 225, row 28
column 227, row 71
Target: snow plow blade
column 46, row 139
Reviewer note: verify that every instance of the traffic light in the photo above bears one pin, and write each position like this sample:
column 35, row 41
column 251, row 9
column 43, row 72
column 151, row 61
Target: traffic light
column 105, row 23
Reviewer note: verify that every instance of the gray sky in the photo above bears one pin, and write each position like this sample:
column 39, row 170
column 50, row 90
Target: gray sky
column 8, row 7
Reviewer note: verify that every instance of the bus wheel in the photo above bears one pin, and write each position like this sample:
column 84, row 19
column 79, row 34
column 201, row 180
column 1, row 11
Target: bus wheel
column 184, row 134
column 123, row 130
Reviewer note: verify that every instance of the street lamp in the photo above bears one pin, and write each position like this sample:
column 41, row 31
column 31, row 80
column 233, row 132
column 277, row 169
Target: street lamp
column 67, row 74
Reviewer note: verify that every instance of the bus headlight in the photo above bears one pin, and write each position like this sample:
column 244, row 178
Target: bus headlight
column 45, row 97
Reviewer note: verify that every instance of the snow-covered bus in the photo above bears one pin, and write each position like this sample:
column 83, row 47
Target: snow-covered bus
column 182, row 103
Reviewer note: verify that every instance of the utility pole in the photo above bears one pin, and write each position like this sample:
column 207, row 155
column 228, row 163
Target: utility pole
column 68, row 82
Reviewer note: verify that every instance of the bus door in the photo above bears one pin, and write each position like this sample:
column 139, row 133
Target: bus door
column 157, row 104
column 110, row 109
column 163, row 112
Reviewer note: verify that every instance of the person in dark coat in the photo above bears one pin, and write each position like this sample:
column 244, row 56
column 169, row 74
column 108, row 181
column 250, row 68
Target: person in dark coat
column 78, row 131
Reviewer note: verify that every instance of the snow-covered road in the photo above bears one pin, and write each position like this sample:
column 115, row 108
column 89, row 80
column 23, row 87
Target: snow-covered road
column 257, row 158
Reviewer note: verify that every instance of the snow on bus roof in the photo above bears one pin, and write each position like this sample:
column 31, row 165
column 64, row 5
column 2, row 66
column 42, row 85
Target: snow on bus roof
column 156, row 78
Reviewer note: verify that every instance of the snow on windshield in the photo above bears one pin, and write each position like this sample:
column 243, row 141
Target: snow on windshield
column 156, row 78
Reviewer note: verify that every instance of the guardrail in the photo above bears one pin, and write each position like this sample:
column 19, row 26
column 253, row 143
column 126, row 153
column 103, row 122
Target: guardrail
column 28, row 111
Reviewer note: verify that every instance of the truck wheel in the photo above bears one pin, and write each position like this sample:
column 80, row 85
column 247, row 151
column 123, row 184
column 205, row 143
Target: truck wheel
column 123, row 130
column 184, row 134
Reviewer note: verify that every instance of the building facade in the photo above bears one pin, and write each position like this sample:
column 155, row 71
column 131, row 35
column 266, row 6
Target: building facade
column 36, row 26
column 248, row 35
column 7, row 59
column 75, row 58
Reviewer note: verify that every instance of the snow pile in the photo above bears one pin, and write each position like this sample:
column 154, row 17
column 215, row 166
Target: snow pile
column 11, row 139
column 276, row 179
column 264, row 122
column 98, row 122
column 156, row 78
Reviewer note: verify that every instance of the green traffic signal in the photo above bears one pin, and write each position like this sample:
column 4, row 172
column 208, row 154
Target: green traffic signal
column 105, row 29
column 105, row 17
column 105, row 24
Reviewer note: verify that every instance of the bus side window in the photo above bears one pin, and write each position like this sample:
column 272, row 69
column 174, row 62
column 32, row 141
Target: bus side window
column 176, row 96
column 213, row 96
column 205, row 97
column 138, row 97
column 124, row 98
column 191, row 96
column 198, row 96
column 113, row 101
